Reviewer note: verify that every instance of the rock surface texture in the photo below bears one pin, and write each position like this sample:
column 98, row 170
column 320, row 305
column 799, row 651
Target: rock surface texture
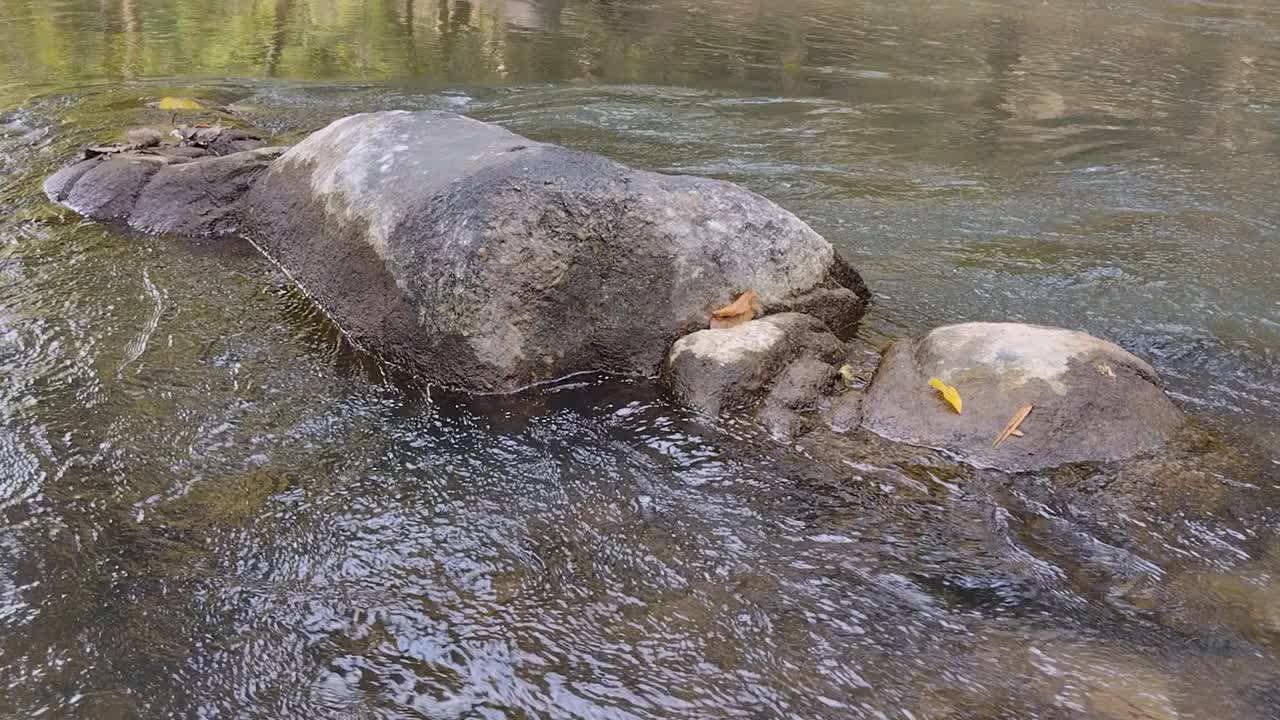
column 200, row 198
column 790, row 356
column 470, row 255
column 183, row 190
column 1093, row 401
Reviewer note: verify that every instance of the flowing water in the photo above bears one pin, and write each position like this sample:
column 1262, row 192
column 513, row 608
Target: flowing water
column 210, row 507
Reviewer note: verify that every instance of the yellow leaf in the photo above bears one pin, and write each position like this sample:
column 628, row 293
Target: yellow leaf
column 950, row 394
column 179, row 103
column 849, row 375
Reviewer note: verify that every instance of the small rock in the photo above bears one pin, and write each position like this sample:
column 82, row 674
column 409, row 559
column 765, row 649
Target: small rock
column 219, row 140
column 730, row 369
column 844, row 412
column 796, row 392
column 1093, row 401
column 802, row 383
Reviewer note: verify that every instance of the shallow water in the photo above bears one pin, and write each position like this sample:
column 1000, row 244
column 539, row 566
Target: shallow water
column 209, row 506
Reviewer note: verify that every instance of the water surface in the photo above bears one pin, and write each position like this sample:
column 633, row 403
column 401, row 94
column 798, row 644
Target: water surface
column 210, row 507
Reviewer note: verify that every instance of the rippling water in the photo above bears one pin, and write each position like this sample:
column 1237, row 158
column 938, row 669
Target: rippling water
column 210, row 507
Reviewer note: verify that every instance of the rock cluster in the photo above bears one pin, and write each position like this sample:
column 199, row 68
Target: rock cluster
column 475, row 257
column 483, row 260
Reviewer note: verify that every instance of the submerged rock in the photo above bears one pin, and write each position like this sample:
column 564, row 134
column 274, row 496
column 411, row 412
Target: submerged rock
column 484, row 260
column 789, row 355
column 1093, row 401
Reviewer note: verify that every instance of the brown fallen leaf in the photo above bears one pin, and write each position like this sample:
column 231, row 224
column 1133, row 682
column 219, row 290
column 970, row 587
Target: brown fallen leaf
column 1012, row 427
column 740, row 311
column 1017, row 433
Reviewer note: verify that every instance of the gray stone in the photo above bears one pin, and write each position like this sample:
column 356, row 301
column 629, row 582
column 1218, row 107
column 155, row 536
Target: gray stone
column 802, row 383
column 789, row 405
column 1093, row 401
column 189, row 152
column 219, row 140
column 484, row 260
column 727, row 370
column 200, row 198
column 59, row 184
column 144, row 137
column 108, row 189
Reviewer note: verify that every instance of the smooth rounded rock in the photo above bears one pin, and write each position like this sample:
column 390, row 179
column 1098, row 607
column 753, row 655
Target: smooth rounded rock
column 57, row 185
column 487, row 261
column 1092, row 400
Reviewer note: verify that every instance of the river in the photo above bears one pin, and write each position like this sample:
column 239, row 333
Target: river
column 211, row 506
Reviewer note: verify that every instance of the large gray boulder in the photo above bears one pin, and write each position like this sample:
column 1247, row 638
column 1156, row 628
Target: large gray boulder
column 1093, row 401
column 484, row 260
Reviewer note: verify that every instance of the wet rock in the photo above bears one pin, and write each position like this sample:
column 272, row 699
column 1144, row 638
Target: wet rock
column 219, row 140
column 189, row 152
column 484, row 260
column 200, row 198
column 787, row 409
column 842, row 411
column 1093, row 400
column 174, row 189
column 234, row 141
column 1245, row 602
column 802, row 383
column 717, row 371
column 1016, row 674
column 105, row 188
column 59, row 184
column 472, row 256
